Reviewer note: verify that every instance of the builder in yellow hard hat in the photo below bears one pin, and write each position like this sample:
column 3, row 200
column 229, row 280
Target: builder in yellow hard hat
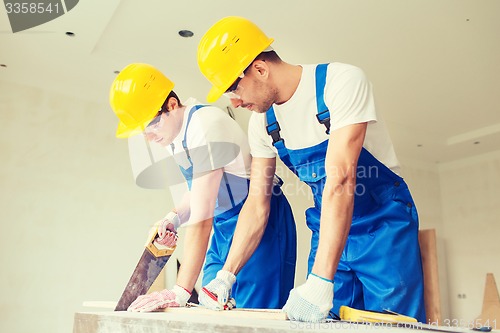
column 366, row 251
column 213, row 155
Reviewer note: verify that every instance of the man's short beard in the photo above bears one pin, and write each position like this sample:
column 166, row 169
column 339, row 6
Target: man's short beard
column 268, row 98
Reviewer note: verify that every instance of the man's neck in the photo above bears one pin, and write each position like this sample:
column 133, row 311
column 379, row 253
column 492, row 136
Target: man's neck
column 287, row 79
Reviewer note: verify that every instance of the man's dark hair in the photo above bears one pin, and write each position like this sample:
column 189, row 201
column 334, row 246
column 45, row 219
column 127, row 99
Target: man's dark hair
column 270, row 56
column 174, row 95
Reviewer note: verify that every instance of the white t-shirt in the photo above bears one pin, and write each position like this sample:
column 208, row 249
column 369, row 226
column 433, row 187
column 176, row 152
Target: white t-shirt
column 349, row 98
column 214, row 141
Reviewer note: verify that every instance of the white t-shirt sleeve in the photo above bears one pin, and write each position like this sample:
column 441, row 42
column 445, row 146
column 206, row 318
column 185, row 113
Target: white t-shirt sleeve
column 260, row 142
column 349, row 97
column 210, row 140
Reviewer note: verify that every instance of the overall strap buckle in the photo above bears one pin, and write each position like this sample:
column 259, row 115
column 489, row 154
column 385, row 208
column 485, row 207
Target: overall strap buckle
column 274, row 131
column 324, row 119
column 323, row 116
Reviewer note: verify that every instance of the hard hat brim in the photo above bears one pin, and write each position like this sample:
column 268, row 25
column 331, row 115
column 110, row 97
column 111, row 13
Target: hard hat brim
column 124, row 132
column 214, row 94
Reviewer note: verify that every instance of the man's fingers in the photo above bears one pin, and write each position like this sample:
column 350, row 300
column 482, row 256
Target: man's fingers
column 162, row 229
column 231, row 304
column 170, row 239
column 140, row 303
column 209, row 300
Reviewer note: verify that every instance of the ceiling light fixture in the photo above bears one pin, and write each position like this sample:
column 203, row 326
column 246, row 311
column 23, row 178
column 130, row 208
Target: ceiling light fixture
column 186, row 33
column 70, row 34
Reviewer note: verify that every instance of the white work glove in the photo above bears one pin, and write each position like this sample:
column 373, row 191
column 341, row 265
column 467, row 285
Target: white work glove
column 216, row 295
column 176, row 297
column 312, row 301
column 166, row 228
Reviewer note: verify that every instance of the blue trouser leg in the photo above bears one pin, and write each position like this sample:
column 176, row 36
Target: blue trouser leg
column 267, row 278
column 380, row 267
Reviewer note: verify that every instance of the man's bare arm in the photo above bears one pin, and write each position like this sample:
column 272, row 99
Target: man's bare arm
column 338, row 197
column 253, row 217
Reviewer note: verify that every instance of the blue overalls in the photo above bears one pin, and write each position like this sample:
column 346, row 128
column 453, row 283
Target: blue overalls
column 268, row 276
column 380, row 267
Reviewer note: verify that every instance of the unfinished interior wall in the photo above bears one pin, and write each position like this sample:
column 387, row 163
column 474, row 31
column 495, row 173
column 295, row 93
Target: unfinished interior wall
column 470, row 196
column 73, row 223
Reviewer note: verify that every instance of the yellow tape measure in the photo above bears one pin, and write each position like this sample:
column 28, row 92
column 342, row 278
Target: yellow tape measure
column 355, row 315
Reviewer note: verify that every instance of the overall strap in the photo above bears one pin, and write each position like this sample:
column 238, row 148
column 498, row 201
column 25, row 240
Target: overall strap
column 184, row 142
column 323, row 115
column 184, row 145
column 273, row 129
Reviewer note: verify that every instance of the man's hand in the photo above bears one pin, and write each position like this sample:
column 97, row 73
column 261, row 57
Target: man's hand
column 311, row 301
column 177, row 297
column 166, row 228
column 216, row 295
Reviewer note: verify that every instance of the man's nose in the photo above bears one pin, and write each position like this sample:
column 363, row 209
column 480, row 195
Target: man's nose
column 236, row 102
column 149, row 136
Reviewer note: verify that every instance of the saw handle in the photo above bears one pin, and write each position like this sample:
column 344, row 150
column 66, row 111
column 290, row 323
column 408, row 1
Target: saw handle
column 156, row 249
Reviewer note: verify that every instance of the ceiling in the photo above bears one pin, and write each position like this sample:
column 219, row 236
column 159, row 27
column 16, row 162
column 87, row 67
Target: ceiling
column 434, row 64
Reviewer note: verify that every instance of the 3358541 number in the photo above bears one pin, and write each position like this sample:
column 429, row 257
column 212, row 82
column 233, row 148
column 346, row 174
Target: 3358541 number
column 31, row 7
column 473, row 324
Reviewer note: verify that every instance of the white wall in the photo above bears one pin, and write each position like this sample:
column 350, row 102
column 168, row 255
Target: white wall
column 73, row 223
column 461, row 200
column 470, row 196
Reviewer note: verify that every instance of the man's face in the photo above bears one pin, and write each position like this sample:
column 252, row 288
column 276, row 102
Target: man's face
column 165, row 127
column 251, row 92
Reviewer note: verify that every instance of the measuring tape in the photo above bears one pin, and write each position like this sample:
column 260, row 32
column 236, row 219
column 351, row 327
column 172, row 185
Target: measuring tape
column 355, row 315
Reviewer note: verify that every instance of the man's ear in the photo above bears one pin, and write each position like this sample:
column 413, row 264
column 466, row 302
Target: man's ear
column 172, row 103
column 261, row 68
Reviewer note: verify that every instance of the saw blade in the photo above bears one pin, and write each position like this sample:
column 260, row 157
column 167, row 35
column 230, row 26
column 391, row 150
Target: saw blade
column 145, row 274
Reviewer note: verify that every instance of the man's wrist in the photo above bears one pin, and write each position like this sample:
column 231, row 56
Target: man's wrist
column 182, row 294
column 318, row 290
column 226, row 276
column 322, row 278
column 173, row 217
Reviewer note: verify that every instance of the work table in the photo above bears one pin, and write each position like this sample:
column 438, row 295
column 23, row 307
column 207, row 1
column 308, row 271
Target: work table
column 159, row 322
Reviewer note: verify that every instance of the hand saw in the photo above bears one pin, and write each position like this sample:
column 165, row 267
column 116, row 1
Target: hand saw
column 152, row 261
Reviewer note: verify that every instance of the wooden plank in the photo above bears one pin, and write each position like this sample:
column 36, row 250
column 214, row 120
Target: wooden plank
column 490, row 314
column 270, row 314
column 428, row 250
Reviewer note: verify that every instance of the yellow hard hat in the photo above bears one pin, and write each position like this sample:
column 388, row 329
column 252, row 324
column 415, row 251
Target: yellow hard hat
column 227, row 49
column 136, row 96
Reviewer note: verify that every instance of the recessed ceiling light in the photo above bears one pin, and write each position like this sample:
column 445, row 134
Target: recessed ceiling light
column 186, row 33
column 69, row 33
